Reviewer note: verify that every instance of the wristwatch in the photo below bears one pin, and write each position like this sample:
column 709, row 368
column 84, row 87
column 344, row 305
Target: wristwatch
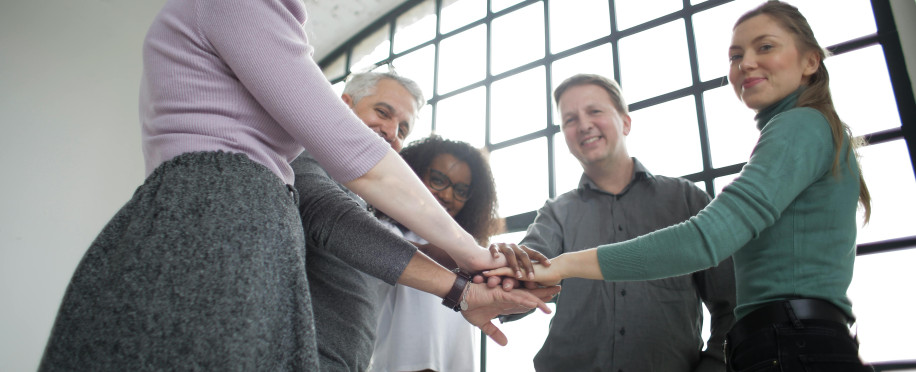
column 456, row 298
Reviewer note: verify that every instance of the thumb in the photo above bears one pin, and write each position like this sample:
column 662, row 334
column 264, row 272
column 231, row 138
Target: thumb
column 494, row 333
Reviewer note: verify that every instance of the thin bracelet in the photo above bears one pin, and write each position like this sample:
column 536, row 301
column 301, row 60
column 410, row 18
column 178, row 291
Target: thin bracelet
column 464, row 297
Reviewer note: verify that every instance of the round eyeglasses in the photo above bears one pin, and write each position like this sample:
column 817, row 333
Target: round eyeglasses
column 439, row 181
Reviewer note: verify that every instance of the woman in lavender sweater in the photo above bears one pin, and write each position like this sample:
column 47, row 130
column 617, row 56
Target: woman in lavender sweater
column 204, row 267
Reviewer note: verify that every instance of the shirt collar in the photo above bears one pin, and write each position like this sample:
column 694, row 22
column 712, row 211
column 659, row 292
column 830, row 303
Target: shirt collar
column 763, row 116
column 639, row 173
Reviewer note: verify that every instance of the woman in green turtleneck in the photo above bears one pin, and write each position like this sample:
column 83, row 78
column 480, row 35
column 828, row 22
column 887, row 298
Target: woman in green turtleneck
column 789, row 218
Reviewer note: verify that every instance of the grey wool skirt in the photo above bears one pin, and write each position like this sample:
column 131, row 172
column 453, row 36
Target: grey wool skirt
column 203, row 269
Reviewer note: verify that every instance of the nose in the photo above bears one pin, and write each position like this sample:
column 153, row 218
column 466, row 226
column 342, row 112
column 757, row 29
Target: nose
column 747, row 63
column 446, row 195
column 585, row 125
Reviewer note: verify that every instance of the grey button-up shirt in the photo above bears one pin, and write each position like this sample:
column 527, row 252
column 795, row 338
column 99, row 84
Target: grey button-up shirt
column 630, row 326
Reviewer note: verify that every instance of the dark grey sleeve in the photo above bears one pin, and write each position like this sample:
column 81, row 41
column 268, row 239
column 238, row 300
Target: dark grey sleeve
column 334, row 221
column 716, row 287
column 544, row 235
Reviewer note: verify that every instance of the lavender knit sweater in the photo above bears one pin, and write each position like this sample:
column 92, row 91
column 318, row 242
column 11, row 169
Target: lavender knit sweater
column 237, row 75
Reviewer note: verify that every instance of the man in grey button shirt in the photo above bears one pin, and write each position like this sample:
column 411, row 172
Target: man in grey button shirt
column 623, row 326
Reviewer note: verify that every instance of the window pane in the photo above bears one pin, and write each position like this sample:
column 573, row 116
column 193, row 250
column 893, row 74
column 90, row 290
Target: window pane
column 713, row 28
column 841, row 23
column 336, row 69
column 731, row 127
column 665, row 138
column 598, row 60
column 497, row 5
column 338, row 88
column 520, row 189
column 720, row 182
column 518, row 105
column 457, row 13
column 370, row 51
column 381, row 69
column 418, row 66
column 518, row 38
column 634, row 12
column 645, row 71
column 567, row 168
column 574, row 23
column 860, row 71
column 526, row 336
column 462, row 117
column 423, row 126
column 713, row 32
column 889, row 176
column 415, row 26
column 462, row 59
column 884, row 311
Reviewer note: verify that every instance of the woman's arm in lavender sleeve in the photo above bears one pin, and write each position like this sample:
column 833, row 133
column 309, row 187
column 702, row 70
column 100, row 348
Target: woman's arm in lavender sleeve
column 264, row 45
column 394, row 188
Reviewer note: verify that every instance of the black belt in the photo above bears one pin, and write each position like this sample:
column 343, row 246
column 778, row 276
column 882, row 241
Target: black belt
column 788, row 311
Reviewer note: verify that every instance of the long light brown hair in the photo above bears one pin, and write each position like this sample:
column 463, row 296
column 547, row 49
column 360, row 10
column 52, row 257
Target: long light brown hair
column 817, row 92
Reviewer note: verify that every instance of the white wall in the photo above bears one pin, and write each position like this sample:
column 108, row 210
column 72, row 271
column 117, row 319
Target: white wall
column 69, row 149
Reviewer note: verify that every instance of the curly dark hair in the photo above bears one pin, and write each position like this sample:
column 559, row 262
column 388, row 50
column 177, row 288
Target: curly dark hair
column 478, row 216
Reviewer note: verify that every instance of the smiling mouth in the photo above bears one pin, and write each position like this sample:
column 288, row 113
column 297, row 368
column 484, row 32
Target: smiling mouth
column 750, row 82
column 591, row 140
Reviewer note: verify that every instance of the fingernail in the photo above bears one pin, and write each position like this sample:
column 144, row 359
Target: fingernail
column 530, row 276
column 518, row 274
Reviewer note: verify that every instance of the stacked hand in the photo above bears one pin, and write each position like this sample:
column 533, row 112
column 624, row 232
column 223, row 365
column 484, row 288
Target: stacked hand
column 485, row 303
column 532, row 273
column 518, row 258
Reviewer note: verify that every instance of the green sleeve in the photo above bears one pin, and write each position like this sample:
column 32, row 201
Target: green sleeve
column 794, row 149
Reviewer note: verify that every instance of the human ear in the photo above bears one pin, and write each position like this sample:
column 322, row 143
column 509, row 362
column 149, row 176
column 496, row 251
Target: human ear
column 347, row 99
column 626, row 124
column 812, row 62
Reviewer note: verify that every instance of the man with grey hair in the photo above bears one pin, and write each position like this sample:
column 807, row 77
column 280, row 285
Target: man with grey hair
column 344, row 299
column 387, row 102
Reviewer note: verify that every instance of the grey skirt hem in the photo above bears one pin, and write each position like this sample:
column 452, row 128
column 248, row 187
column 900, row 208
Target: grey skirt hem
column 203, row 269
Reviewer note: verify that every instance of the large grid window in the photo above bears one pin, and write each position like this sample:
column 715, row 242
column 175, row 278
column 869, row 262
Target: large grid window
column 488, row 69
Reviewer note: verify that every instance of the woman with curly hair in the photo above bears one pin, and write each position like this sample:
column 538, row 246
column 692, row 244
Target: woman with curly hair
column 414, row 331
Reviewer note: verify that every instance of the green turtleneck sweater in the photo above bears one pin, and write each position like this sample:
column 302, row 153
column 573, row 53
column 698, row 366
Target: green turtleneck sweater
column 788, row 219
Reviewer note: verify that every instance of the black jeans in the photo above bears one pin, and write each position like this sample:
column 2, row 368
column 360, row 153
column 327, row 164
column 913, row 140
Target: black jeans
column 808, row 346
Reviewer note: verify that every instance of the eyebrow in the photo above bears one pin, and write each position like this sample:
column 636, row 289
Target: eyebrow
column 754, row 40
column 394, row 112
column 387, row 107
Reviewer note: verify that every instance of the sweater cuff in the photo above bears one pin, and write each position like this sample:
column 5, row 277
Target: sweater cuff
column 622, row 261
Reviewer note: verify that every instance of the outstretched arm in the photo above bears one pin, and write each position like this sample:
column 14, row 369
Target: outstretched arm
column 392, row 187
column 580, row 264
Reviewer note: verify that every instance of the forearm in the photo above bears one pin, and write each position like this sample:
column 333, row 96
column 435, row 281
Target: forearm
column 424, row 274
column 336, row 223
column 441, row 257
column 392, row 187
column 580, row 264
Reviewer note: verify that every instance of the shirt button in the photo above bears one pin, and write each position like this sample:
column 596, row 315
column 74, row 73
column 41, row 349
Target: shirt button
column 622, row 331
column 623, row 292
column 619, row 227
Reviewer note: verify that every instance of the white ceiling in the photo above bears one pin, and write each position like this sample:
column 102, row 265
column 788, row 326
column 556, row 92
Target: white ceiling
column 333, row 22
